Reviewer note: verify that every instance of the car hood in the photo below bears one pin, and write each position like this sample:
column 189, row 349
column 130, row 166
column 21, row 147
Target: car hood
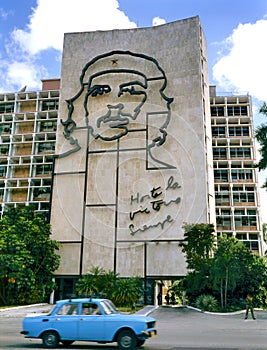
column 135, row 317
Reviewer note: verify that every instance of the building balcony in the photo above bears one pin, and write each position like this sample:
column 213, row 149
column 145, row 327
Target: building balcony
column 246, row 228
column 220, row 203
column 244, row 204
column 224, row 228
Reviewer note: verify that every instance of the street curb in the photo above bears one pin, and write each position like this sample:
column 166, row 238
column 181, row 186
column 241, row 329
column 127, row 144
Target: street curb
column 239, row 312
column 221, row 313
column 217, row 313
column 146, row 310
column 21, row 307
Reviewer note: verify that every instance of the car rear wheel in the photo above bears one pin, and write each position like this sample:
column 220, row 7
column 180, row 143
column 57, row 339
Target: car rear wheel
column 50, row 339
column 127, row 340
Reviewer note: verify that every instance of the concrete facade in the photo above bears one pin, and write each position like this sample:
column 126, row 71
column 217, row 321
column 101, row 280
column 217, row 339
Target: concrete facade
column 134, row 153
column 28, row 124
column 235, row 175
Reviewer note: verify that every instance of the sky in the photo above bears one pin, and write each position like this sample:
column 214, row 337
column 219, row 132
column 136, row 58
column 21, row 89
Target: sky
column 31, row 40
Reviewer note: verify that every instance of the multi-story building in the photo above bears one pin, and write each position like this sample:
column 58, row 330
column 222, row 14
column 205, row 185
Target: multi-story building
column 27, row 145
column 235, row 175
column 28, row 124
column 120, row 202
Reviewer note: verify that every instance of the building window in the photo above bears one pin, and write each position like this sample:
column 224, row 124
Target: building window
column 221, row 175
column 49, row 105
column 243, row 197
column 241, row 236
column 237, row 111
column 253, row 236
column 43, row 169
column 2, row 171
column 224, row 221
column 217, row 111
column 242, row 174
column 46, row 147
column 41, row 193
column 245, row 219
column 240, row 152
column 252, row 245
column 219, row 153
column 218, row 131
column 222, row 197
column 6, row 107
column 4, row 149
column 48, row 126
column 5, row 128
column 223, row 218
column 239, row 131
column 44, row 206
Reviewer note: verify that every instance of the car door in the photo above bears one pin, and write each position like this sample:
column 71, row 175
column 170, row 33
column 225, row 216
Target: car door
column 66, row 320
column 91, row 324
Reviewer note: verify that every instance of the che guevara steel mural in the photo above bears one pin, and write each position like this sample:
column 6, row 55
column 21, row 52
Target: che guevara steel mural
column 122, row 94
column 120, row 110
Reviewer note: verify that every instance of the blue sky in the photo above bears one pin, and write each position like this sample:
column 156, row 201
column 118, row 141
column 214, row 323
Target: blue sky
column 31, row 38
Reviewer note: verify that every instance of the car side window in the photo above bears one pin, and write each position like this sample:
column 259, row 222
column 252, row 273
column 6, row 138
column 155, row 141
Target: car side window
column 68, row 309
column 90, row 309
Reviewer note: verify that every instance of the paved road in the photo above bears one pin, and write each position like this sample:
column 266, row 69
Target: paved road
column 178, row 329
column 195, row 330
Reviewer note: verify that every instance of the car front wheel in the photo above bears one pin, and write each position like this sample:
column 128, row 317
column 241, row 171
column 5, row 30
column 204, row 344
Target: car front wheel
column 127, row 340
column 140, row 343
column 67, row 342
column 50, row 339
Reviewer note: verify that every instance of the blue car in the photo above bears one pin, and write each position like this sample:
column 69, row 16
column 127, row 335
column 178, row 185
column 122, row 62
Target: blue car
column 94, row 320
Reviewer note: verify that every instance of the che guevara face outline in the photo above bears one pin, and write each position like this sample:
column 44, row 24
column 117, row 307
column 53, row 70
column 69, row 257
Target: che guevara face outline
column 125, row 94
column 88, row 87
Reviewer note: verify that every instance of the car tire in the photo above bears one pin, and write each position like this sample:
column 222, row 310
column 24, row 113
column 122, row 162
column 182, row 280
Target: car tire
column 67, row 342
column 50, row 339
column 140, row 343
column 127, row 340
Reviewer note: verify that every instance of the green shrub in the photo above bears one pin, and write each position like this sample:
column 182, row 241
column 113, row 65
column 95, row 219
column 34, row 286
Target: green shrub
column 207, row 302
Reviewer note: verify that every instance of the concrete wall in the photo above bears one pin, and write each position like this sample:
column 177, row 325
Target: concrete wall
column 122, row 204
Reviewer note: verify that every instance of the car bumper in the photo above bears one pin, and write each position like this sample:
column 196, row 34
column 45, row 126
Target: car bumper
column 148, row 334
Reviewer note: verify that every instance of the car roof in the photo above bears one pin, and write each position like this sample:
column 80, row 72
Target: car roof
column 80, row 300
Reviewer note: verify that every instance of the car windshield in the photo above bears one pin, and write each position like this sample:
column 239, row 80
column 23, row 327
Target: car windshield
column 109, row 307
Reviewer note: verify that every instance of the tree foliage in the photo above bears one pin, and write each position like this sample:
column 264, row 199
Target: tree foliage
column 227, row 270
column 231, row 261
column 27, row 257
column 123, row 291
column 198, row 243
column 198, row 247
column 261, row 136
column 206, row 303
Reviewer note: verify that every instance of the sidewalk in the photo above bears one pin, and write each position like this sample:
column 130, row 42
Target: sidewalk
column 45, row 308
column 146, row 310
column 25, row 310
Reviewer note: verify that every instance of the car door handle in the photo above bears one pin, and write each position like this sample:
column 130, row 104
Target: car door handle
column 82, row 319
column 58, row 319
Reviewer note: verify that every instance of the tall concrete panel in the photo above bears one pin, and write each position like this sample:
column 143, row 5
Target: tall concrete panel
column 134, row 159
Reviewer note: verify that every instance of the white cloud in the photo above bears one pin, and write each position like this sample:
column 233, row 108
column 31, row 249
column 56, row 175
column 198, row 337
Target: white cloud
column 24, row 73
column 157, row 21
column 243, row 67
column 45, row 30
column 52, row 18
column 4, row 14
column 263, row 195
